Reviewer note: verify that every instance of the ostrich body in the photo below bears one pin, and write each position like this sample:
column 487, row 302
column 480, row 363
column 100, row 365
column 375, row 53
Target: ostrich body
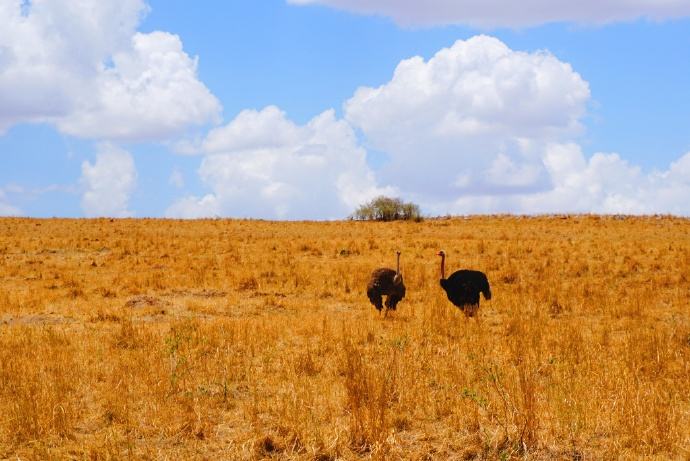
column 463, row 287
column 386, row 282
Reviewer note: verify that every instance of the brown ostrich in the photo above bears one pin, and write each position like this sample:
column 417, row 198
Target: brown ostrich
column 463, row 287
column 386, row 282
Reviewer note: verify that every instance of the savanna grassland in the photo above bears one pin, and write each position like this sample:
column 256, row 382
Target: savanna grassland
column 234, row 339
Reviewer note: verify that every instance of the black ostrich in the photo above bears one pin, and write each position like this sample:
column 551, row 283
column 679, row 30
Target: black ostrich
column 463, row 287
column 386, row 282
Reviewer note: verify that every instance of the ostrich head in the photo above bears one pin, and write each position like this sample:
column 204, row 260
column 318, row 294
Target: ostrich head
column 398, row 275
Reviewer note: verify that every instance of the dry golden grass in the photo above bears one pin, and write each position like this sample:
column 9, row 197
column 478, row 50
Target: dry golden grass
column 154, row 339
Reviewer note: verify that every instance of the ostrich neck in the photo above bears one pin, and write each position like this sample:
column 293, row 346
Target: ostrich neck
column 397, row 270
column 443, row 267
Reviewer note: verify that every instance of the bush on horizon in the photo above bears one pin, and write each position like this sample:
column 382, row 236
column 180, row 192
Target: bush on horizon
column 387, row 209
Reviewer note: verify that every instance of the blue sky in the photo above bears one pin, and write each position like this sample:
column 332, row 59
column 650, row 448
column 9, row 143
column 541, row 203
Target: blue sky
column 291, row 111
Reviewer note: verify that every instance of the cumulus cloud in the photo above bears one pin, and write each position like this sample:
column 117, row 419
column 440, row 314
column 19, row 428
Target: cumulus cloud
column 480, row 128
column 6, row 209
column 108, row 182
column 603, row 183
column 508, row 13
column 474, row 119
column 193, row 207
column 264, row 165
column 83, row 67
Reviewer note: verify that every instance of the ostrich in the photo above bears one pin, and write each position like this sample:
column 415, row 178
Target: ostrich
column 463, row 287
column 387, row 282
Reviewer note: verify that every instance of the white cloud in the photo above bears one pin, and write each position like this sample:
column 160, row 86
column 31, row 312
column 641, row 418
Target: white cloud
column 252, row 130
column 6, row 209
column 264, row 165
column 83, row 67
column 109, row 182
column 207, row 206
column 480, row 128
column 604, row 183
column 509, row 13
column 472, row 120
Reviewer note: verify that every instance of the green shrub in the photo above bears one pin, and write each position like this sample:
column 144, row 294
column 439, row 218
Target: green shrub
column 387, row 209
